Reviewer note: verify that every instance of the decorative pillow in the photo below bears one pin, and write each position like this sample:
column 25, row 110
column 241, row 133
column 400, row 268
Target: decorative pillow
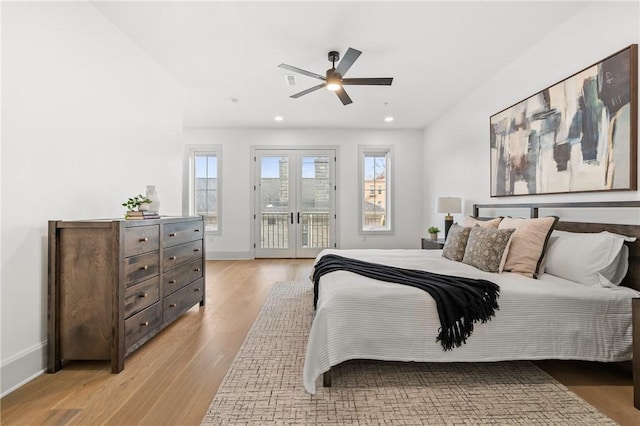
column 528, row 244
column 594, row 259
column 486, row 248
column 472, row 221
column 456, row 242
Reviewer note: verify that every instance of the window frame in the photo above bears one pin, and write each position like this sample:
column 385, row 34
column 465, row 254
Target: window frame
column 367, row 151
column 189, row 196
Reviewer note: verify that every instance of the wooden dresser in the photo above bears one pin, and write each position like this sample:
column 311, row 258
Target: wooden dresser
column 114, row 284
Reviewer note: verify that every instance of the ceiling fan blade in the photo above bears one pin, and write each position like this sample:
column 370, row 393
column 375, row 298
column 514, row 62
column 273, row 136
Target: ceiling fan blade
column 309, row 90
column 347, row 60
column 383, row 81
column 346, row 100
column 301, row 71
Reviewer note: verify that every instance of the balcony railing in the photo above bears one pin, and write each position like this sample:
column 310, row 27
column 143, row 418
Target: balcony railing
column 274, row 229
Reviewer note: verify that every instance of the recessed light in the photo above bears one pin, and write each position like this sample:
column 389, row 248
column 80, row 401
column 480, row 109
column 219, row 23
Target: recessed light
column 278, row 118
column 388, row 119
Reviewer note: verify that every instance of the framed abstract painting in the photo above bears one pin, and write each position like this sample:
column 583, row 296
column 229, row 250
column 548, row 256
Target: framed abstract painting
column 579, row 135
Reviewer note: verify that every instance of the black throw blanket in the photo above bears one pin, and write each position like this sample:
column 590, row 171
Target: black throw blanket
column 460, row 301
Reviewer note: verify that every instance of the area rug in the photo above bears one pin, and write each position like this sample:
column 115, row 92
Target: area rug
column 264, row 384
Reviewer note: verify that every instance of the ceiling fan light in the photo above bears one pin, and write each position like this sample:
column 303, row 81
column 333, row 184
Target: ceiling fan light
column 333, row 86
column 333, row 83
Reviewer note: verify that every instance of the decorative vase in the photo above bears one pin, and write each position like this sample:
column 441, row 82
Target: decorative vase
column 143, row 207
column 434, row 237
column 152, row 194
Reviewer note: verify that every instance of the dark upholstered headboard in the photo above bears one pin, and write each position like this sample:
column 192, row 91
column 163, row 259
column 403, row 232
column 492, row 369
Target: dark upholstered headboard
column 633, row 275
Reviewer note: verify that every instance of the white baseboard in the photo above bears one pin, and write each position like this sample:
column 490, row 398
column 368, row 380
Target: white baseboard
column 22, row 368
column 230, row 255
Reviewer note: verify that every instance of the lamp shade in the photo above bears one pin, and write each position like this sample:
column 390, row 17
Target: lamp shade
column 449, row 205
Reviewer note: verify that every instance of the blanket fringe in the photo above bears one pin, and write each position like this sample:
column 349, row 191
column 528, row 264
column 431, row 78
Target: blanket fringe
column 480, row 311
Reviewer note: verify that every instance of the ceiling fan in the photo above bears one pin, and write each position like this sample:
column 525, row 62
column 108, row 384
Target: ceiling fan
column 333, row 79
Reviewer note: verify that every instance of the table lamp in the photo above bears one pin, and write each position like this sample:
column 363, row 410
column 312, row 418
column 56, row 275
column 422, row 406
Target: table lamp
column 448, row 205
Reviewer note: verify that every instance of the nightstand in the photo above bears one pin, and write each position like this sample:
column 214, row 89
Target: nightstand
column 428, row 244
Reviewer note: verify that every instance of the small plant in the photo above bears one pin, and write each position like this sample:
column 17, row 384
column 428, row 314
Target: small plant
column 433, row 230
column 135, row 202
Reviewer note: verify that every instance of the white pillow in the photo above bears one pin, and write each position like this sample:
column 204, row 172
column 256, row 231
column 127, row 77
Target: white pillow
column 594, row 259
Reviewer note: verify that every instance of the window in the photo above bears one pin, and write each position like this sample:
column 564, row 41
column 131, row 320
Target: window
column 375, row 189
column 204, row 185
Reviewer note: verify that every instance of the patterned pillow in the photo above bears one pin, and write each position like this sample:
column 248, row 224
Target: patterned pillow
column 456, row 242
column 487, row 248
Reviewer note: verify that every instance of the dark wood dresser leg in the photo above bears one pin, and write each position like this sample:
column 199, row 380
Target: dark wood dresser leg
column 635, row 309
column 326, row 379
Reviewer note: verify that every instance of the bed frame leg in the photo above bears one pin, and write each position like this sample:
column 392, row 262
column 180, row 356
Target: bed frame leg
column 326, row 379
column 635, row 310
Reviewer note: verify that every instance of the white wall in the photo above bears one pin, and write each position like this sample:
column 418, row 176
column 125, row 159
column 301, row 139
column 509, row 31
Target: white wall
column 456, row 146
column 237, row 182
column 88, row 119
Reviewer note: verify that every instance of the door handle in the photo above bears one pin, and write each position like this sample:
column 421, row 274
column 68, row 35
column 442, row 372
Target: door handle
column 298, row 217
column 292, row 218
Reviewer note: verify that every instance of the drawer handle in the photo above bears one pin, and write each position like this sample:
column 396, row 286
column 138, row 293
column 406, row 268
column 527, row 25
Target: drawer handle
column 196, row 230
column 197, row 270
column 197, row 289
column 144, row 268
column 196, row 249
column 145, row 294
column 173, row 257
column 173, row 305
column 173, row 234
column 172, row 281
column 145, row 324
column 144, row 240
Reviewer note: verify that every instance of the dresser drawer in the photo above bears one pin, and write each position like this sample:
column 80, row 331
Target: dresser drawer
column 182, row 254
column 139, row 296
column 181, row 276
column 141, row 267
column 141, row 239
column 178, row 302
column 181, row 232
column 142, row 325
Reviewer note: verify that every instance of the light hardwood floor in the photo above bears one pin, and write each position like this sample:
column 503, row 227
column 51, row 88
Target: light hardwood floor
column 172, row 379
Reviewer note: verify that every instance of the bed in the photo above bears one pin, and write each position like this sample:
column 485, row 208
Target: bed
column 550, row 317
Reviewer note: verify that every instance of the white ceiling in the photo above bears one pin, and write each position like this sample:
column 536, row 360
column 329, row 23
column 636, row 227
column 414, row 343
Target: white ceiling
column 437, row 52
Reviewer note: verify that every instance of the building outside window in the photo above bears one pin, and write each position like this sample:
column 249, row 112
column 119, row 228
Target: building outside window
column 375, row 178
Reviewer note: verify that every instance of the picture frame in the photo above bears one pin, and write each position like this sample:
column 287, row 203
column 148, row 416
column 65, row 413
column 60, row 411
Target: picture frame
column 578, row 135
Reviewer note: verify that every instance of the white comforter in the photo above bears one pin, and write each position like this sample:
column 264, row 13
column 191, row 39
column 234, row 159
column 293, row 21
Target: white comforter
column 547, row 318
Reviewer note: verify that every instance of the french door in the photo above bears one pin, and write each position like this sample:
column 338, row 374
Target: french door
column 294, row 202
